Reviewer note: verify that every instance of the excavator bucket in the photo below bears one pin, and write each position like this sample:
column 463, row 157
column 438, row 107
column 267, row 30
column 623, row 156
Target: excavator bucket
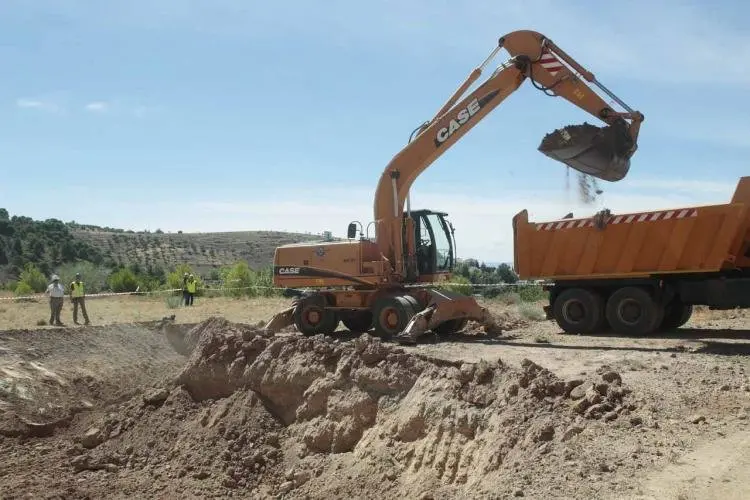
column 446, row 309
column 601, row 152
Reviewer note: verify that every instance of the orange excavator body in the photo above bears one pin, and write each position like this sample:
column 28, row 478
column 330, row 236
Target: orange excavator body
column 380, row 281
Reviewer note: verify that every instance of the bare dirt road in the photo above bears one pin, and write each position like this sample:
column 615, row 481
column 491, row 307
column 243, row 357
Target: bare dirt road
column 116, row 411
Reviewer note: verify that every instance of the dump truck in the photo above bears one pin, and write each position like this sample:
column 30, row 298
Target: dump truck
column 384, row 281
column 637, row 273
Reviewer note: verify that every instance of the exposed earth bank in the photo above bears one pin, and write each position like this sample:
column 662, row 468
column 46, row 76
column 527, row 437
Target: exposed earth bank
column 233, row 412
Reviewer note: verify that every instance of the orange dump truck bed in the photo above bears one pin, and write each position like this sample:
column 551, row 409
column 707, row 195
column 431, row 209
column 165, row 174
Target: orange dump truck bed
column 697, row 239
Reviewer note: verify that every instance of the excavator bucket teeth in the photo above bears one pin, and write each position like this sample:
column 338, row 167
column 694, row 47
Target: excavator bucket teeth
column 601, row 152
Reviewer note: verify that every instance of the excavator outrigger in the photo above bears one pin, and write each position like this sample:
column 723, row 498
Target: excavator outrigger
column 384, row 283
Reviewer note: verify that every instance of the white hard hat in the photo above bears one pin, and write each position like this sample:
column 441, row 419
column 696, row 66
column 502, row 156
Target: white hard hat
column 55, row 277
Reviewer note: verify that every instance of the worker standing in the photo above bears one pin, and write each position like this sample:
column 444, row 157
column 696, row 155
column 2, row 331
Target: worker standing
column 185, row 288
column 191, row 288
column 56, row 292
column 77, row 296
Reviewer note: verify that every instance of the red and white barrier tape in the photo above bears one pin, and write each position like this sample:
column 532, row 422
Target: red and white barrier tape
column 172, row 290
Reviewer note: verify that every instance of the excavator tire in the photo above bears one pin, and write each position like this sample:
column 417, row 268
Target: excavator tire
column 578, row 310
column 357, row 321
column 312, row 317
column 391, row 314
column 414, row 303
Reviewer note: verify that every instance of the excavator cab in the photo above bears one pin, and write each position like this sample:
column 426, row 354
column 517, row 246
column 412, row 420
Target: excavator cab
column 601, row 152
column 433, row 242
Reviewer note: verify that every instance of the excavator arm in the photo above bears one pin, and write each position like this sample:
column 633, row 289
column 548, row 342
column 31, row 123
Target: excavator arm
column 600, row 152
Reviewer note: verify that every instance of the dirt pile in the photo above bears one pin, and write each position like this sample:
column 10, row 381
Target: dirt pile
column 313, row 416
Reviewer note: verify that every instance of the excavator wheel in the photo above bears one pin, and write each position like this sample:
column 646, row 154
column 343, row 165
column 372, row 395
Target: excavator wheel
column 451, row 326
column 312, row 317
column 391, row 315
column 414, row 303
column 357, row 321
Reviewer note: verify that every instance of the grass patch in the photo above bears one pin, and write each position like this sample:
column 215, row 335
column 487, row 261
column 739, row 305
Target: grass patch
column 531, row 312
column 128, row 308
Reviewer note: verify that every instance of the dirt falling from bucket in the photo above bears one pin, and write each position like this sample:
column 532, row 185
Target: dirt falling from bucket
column 588, row 187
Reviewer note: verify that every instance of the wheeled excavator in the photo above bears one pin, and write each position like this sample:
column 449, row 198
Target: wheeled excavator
column 391, row 283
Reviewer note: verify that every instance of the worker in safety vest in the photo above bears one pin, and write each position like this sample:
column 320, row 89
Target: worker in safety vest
column 78, row 297
column 191, row 287
column 185, row 297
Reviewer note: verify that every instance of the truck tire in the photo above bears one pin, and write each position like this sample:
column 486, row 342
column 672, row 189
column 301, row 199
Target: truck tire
column 578, row 310
column 633, row 311
column 312, row 317
column 391, row 315
column 676, row 314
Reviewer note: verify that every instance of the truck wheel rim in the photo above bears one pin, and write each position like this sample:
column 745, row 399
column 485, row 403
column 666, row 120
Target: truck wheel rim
column 629, row 311
column 573, row 311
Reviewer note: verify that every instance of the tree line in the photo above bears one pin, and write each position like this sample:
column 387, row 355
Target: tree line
column 31, row 251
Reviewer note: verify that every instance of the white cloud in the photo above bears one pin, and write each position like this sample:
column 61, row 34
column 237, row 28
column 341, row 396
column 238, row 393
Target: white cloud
column 119, row 107
column 97, row 107
column 38, row 104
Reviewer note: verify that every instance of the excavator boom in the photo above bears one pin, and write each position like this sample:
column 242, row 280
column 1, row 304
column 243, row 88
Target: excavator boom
column 602, row 152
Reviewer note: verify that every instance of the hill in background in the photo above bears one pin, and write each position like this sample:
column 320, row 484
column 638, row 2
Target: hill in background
column 53, row 246
column 203, row 252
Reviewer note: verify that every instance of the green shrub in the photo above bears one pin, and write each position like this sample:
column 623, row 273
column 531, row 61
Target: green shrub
column 173, row 301
column 123, row 280
column 241, row 281
column 532, row 293
column 531, row 312
column 509, row 297
column 458, row 284
column 23, row 288
column 33, row 278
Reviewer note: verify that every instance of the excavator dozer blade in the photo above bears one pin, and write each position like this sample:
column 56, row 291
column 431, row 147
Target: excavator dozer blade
column 601, row 152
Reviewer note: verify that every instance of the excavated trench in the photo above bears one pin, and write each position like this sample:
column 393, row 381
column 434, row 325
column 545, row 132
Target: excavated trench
column 315, row 417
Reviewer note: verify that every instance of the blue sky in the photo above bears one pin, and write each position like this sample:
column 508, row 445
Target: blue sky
column 242, row 115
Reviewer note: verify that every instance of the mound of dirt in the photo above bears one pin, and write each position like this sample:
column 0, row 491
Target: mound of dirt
column 310, row 416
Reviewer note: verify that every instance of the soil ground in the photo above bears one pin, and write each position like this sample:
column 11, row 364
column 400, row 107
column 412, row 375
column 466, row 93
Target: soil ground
column 115, row 410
